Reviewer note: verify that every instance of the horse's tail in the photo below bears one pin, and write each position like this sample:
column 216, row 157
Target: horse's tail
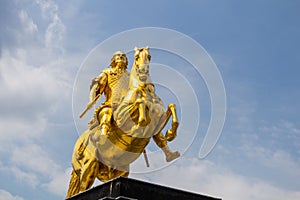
column 74, row 185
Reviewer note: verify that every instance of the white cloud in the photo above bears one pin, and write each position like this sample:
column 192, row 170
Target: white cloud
column 241, row 110
column 30, row 164
column 34, row 158
column 34, row 167
column 59, row 182
column 14, row 129
column 29, row 178
column 33, row 85
column 205, row 177
column 5, row 195
column 54, row 33
column 32, row 89
column 276, row 130
column 20, row 175
column 273, row 162
column 28, row 95
column 56, row 29
column 29, row 26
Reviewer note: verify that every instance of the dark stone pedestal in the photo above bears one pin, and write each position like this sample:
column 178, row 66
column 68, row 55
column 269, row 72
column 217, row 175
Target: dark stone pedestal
column 131, row 189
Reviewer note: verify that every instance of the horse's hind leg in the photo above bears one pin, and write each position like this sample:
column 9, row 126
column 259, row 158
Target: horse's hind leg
column 117, row 173
column 89, row 175
column 107, row 173
column 74, row 185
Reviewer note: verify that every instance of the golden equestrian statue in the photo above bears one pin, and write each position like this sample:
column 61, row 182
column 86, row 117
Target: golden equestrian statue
column 122, row 125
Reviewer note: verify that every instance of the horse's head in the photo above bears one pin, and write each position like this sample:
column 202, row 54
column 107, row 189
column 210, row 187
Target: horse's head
column 142, row 59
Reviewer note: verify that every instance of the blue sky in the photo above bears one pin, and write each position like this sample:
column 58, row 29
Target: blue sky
column 254, row 44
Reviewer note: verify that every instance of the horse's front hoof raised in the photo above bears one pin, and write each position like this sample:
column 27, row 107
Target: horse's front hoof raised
column 172, row 156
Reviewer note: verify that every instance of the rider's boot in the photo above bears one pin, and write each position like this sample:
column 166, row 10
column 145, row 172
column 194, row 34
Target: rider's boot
column 170, row 155
column 142, row 121
column 103, row 133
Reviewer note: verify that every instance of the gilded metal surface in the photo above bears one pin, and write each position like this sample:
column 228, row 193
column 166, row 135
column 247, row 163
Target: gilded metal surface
column 123, row 124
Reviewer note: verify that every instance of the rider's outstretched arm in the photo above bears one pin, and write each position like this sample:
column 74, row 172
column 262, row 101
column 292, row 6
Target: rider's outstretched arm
column 97, row 87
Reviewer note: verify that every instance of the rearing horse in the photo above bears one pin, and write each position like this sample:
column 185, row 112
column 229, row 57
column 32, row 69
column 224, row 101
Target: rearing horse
column 139, row 116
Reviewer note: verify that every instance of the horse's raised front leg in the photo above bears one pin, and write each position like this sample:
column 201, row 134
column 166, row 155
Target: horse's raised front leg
column 172, row 133
column 160, row 140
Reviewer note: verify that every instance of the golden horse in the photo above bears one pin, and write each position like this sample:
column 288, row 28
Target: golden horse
column 139, row 116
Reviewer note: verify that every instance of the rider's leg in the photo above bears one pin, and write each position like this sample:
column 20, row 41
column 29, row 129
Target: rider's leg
column 161, row 141
column 104, row 118
column 88, row 175
column 142, row 121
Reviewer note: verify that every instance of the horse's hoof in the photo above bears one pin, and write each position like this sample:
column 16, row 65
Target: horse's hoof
column 172, row 156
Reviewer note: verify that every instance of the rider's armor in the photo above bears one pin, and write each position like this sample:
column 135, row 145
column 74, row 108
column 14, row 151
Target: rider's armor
column 116, row 86
column 114, row 89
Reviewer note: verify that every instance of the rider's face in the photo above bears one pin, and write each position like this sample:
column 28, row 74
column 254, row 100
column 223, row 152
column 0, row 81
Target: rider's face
column 120, row 58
